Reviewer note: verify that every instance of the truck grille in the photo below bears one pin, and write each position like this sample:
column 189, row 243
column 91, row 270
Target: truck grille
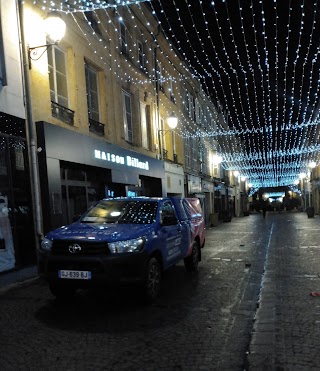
column 62, row 247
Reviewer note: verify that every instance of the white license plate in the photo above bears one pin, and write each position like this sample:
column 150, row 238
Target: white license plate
column 75, row 275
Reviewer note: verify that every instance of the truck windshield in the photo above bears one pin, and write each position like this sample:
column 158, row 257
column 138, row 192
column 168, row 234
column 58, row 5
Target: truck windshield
column 122, row 211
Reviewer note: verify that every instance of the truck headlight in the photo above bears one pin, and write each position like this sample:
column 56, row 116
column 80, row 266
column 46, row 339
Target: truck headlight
column 46, row 244
column 127, row 246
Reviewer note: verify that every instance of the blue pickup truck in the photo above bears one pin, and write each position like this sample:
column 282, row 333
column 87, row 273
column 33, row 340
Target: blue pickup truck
column 120, row 240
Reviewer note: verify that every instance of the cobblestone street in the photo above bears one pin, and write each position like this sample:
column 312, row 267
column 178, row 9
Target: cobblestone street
column 248, row 307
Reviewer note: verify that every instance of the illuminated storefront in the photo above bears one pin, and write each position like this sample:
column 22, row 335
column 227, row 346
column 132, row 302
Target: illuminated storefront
column 16, row 223
column 77, row 170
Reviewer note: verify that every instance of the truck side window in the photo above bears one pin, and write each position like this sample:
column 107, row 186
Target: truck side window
column 168, row 213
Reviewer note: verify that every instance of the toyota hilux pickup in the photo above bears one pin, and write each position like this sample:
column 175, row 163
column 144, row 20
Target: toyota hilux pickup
column 120, row 241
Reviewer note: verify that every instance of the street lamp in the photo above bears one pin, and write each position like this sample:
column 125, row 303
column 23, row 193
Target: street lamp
column 216, row 159
column 55, row 29
column 172, row 122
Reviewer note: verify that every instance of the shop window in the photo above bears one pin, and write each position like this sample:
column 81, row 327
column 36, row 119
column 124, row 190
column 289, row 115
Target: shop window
column 77, row 201
column 127, row 115
column 92, row 92
column 62, row 173
column 76, row 174
column 19, row 158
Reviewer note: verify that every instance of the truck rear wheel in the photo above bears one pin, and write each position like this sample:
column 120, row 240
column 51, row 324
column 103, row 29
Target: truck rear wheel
column 191, row 262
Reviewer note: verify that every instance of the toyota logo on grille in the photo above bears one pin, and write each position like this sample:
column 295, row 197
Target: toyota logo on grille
column 74, row 248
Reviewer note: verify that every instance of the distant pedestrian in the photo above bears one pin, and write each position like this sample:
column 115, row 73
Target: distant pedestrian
column 264, row 209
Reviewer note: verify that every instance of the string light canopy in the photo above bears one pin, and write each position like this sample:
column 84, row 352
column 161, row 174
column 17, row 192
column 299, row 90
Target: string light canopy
column 83, row 5
column 258, row 61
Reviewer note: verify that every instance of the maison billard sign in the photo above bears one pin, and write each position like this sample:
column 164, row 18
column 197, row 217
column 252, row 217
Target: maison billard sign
column 127, row 160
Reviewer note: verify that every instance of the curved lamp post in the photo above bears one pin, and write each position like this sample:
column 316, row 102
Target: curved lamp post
column 55, row 29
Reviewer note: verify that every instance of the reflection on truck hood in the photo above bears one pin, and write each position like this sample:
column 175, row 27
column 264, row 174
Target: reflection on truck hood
column 101, row 232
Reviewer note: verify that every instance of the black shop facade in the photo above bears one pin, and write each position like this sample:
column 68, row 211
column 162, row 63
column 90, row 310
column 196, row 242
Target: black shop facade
column 77, row 170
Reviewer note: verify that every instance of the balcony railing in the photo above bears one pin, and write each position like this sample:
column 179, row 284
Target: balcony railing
column 62, row 113
column 96, row 127
column 164, row 154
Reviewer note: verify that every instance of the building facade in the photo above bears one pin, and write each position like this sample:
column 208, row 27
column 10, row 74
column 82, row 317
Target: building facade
column 100, row 100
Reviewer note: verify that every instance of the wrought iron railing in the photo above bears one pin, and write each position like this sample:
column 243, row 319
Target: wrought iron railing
column 96, row 127
column 62, row 113
column 164, row 154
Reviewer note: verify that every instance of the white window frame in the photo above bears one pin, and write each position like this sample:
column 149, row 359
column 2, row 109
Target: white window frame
column 54, row 93
column 93, row 114
column 208, row 167
column 127, row 116
column 187, row 152
column 194, row 154
column 145, row 126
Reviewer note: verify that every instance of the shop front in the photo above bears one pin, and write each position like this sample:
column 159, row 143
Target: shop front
column 174, row 179
column 77, row 170
column 17, row 246
column 207, row 190
column 195, row 189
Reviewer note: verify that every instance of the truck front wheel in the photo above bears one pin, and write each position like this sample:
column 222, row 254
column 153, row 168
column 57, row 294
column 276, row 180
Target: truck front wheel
column 153, row 280
column 191, row 262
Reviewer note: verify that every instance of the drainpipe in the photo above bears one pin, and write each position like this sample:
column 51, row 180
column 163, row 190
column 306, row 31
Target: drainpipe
column 30, row 130
column 157, row 90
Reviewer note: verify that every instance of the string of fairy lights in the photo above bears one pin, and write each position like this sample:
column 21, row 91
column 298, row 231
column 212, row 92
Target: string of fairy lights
column 257, row 61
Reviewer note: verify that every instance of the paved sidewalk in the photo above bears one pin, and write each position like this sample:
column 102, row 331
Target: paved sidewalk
column 8, row 279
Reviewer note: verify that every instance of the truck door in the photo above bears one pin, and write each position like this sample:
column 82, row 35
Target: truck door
column 170, row 233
